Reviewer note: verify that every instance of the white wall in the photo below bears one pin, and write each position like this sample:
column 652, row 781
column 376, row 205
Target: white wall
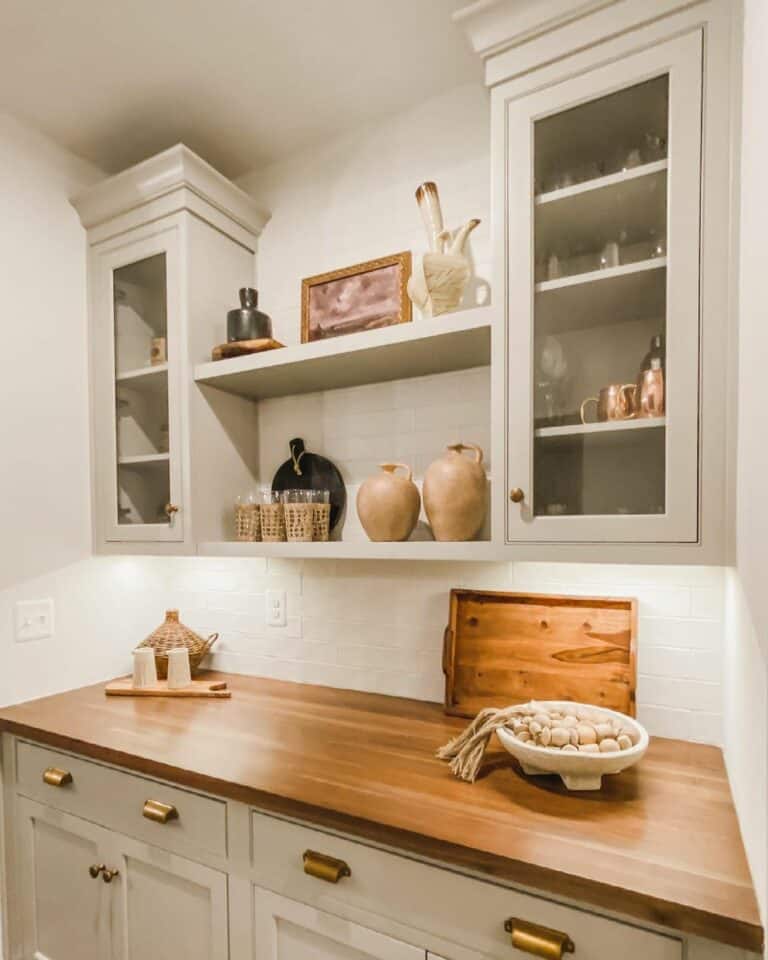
column 44, row 479
column 746, row 618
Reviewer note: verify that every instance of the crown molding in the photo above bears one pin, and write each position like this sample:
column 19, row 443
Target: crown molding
column 493, row 26
column 174, row 171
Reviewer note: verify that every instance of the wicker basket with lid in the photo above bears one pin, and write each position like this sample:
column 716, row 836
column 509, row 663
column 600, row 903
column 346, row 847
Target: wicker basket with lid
column 171, row 634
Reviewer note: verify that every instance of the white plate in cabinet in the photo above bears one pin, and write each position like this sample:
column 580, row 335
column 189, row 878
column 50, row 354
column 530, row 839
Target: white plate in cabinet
column 287, row 930
column 451, row 907
column 162, row 815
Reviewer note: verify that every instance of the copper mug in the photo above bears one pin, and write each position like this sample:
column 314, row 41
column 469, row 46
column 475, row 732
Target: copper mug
column 615, row 402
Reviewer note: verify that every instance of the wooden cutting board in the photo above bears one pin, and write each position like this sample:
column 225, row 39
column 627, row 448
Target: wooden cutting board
column 197, row 688
column 505, row 648
column 241, row 348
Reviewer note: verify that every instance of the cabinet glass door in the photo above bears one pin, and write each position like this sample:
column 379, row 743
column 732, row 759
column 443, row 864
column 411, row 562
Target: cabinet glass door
column 604, row 303
column 140, row 478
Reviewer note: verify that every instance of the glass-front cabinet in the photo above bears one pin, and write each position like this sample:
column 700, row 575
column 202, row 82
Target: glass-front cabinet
column 138, row 341
column 603, row 187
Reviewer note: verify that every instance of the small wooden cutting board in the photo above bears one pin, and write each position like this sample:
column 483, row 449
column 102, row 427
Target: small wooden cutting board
column 197, row 688
column 241, row 348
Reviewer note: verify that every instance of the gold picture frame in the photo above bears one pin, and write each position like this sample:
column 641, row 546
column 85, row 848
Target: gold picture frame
column 381, row 301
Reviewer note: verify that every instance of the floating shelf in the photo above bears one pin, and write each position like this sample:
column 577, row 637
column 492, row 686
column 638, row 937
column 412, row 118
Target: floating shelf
column 636, row 291
column 600, row 429
column 481, row 550
column 142, row 373
column 455, row 341
column 610, row 180
column 144, row 459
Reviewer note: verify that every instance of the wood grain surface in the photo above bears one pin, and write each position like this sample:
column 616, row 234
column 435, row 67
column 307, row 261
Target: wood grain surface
column 659, row 843
column 503, row 648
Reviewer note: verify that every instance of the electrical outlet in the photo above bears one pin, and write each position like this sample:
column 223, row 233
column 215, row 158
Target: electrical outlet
column 277, row 615
column 34, row 620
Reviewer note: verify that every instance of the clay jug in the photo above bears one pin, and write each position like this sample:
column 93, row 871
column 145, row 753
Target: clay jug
column 388, row 504
column 455, row 493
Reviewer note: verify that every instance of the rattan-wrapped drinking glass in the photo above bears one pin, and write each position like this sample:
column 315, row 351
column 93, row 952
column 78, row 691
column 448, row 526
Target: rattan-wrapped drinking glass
column 321, row 515
column 299, row 513
column 272, row 519
column 247, row 519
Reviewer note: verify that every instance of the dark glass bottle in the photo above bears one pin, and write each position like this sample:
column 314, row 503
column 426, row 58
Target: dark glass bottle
column 656, row 352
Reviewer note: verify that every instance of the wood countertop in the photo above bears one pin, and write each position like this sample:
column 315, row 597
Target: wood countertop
column 660, row 842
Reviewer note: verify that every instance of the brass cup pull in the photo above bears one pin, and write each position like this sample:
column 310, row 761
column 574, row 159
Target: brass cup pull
column 159, row 812
column 96, row 869
column 516, row 495
column 537, row 940
column 109, row 875
column 56, row 777
column 170, row 509
column 324, row 867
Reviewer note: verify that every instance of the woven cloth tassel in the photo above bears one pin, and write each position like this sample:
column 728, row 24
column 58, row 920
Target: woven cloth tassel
column 466, row 751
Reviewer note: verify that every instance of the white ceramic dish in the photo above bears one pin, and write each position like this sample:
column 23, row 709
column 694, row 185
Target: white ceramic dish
column 578, row 771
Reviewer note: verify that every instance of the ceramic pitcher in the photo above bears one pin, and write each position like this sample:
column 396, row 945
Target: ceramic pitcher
column 388, row 503
column 455, row 493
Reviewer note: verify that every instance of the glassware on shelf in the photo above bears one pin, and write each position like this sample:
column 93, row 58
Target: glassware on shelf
column 272, row 517
column 633, row 159
column 321, row 515
column 654, row 148
column 298, row 509
column 609, row 255
column 247, row 518
column 554, row 270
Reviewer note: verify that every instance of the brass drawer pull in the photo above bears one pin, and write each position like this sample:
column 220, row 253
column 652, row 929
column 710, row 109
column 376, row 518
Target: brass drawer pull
column 96, row 869
column 109, row 875
column 324, row 867
column 538, row 940
column 56, row 777
column 159, row 812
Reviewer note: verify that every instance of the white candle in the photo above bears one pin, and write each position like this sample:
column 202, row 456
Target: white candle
column 179, row 673
column 144, row 667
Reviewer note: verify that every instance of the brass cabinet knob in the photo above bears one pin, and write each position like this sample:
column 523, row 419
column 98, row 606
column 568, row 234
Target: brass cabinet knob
column 109, row 875
column 159, row 812
column 537, row 940
column 323, row 867
column 170, row 509
column 516, row 495
column 96, row 869
column 56, row 777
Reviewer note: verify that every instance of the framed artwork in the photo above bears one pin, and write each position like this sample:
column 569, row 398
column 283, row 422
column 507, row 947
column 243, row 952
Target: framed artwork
column 365, row 296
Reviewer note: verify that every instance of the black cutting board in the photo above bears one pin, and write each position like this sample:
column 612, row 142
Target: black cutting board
column 309, row 471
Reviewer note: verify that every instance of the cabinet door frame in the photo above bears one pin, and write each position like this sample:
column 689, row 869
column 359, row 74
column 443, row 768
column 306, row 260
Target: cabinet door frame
column 681, row 58
column 269, row 908
column 162, row 238
column 26, row 813
column 123, row 849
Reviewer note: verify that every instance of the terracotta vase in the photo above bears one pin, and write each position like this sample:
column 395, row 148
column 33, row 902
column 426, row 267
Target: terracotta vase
column 455, row 493
column 388, row 504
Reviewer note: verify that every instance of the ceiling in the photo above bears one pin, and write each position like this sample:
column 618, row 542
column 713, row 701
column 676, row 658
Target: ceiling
column 241, row 82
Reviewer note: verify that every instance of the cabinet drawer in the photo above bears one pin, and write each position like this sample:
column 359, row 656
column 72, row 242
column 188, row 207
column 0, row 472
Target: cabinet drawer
column 116, row 799
column 463, row 911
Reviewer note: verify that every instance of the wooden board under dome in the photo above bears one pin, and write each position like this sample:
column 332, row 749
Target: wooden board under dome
column 505, row 648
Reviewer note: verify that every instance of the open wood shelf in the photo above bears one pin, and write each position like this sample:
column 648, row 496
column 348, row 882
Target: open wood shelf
column 600, row 429
column 357, row 550
column 455, row 341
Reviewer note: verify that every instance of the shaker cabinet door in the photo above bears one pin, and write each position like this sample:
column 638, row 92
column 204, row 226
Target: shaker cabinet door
column 288, row 930
column 603, row 183
column 66, row 915
column 165, row 907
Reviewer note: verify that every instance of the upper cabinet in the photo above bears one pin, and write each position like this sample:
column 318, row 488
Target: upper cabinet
column 170, row 242
column 612, row 192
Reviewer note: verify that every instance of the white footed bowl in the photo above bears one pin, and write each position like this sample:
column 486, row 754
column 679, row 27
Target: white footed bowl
column 578, row 771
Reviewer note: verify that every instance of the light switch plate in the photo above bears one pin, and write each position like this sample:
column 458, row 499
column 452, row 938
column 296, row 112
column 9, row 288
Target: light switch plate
column 277, row 615
column 34, row 620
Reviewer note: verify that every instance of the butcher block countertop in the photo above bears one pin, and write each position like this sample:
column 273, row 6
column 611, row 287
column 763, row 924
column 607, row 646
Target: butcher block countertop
column 660, row 842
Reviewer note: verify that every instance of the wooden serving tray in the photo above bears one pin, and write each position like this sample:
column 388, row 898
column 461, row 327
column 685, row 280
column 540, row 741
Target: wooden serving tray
column 504, row 648
column 197, row 688
column 241, row 348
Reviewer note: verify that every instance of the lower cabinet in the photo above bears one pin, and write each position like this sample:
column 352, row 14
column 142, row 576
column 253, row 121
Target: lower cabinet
column 288, row 930
column 93, row 894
